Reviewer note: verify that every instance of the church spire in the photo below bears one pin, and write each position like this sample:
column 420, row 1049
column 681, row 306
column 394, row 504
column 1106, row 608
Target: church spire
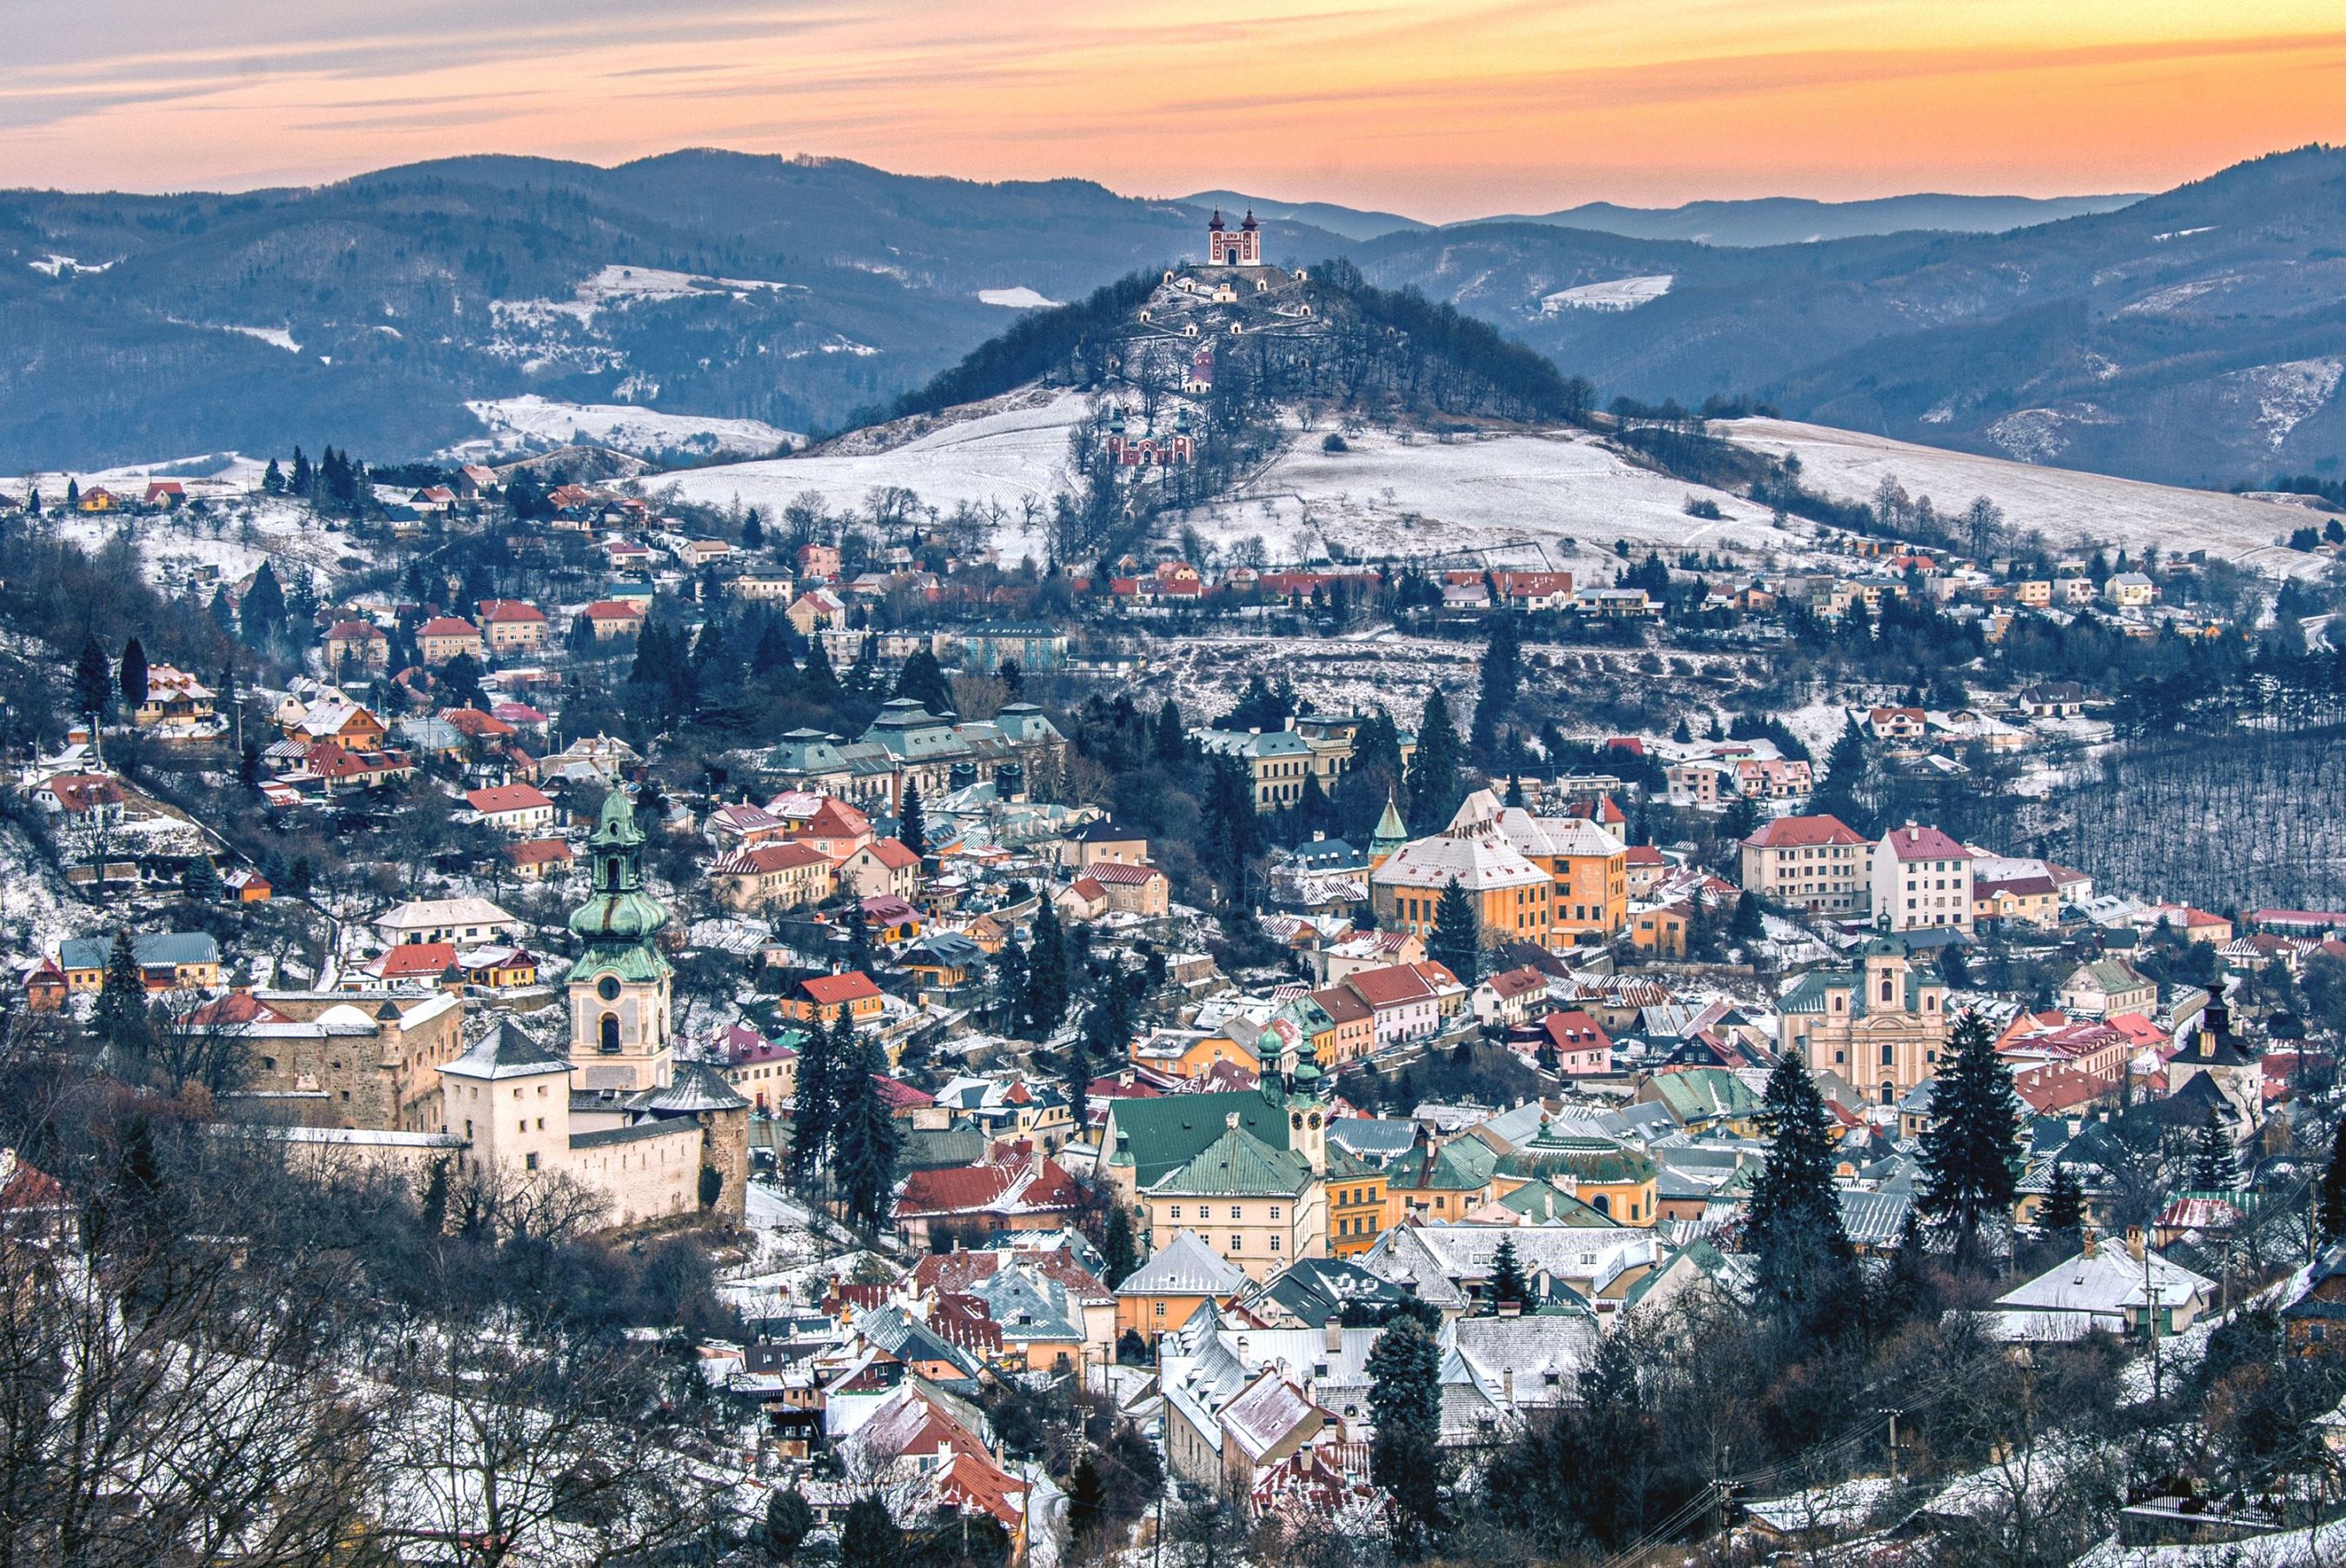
column 1391, row 833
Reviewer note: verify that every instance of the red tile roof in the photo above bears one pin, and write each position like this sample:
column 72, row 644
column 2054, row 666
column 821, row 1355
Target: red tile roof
column 829, row 989
column 418, row 961
column 1801, row 832
column 1913, row 844
column 447, row 626
column 509, row 610
column 506, row 797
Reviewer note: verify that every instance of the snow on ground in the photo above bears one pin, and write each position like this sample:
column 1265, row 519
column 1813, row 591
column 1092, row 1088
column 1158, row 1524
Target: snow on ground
column 1352, row 674
column 1004, row 457
column 532, row 423
column 2065, row 505
column 1549, row 495
column 1613, row 294
column 57, row 266
column 617, row 285
column 36, row 912
column 1019, row 298
column 177, row 546
column 279, row 337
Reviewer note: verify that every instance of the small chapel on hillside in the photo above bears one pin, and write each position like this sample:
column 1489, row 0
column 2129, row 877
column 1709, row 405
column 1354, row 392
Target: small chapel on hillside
column 1227, row 247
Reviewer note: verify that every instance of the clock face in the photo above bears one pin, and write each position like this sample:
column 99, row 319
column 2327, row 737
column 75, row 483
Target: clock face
column 607, row 988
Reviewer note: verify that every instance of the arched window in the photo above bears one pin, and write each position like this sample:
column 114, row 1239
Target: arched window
column 1603, row 1205
column 1885, row 988
column 611, row 1035
column 1889, row 1095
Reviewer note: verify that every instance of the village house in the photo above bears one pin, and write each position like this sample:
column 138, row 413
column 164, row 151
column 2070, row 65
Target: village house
column 2105, row 988
column 538, row 859
column 447, row 637
column 1921, row 878
column 1818, row 864
column 510, row 625
column 357, row 646
column 883, row 868
column 516, row 809
column 773, row 876
column 609, row 620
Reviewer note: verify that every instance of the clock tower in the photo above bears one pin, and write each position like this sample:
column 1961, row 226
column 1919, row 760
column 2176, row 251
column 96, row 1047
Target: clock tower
column 619, row 986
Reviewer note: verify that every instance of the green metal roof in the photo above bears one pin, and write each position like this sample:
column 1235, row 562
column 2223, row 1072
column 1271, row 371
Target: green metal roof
column 1157, row 1137
column 1238, row 1165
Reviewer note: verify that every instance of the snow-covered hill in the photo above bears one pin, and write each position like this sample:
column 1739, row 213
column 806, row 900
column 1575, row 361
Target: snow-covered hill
column 518, row 425
column 2065, row 504
column 1558, row 496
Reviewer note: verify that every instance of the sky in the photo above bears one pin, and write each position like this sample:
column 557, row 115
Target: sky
column 1441, row 109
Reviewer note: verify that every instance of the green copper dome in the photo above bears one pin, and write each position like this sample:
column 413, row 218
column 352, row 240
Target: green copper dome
column 620, row 912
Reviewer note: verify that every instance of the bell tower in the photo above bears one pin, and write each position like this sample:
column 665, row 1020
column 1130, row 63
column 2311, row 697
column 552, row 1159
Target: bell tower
column 619, row 987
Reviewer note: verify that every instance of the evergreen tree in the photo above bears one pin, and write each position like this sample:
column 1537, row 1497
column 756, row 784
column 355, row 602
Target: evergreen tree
column 2064, row 1210
column 1508, row 1281
column 1045, row 1002
column 73, row 494
column 304, row 478
column 863, row 675
column 272, row 479
column 431, row 1208
column 922, row 679
column 1405, row 1407
column 1457, row 943
column 771, row 656
column 120, row 1014
column 789, row 1520
column 1087, row 1502
column 869, row 1538
column 1844, row 777
column 822, row 682
column 1806, row 1271
column 1500, row 678
column 811, row 1123
column 1434, row 785
column 1971, row 1150
column 2330, row 1213
column 133, row 676
column 2213, row 1168
column 753, row 530
column 868, row 1140
column 93, row 681
column 1172, row 740
column 1117, row 1255
column 262, row 613
column 200, row 883
column 912, row 821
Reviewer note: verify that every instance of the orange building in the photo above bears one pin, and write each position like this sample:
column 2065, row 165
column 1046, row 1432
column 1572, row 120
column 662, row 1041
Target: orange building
column 1512, row 897
column 1590, row 866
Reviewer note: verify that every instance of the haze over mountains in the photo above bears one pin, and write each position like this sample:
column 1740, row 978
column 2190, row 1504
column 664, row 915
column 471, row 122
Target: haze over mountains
column 2195, row 336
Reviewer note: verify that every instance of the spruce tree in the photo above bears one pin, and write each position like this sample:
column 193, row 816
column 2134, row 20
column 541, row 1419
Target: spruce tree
column 869, row 1538
column 1433, row 788
column 272, row 479
column 868, row 1140
column 912, row 821
column 2330, row 1215
column 753, row 530
column 1457, row 941
column 811, row 1106
column 2214, row 1167
column 1508, row 1281
column 120, row 1014
column 1405, row 1407
column 922, row 679
column 1046, row 1001
column 1500, row 678
column 262, row 613
column 1971, row 1151
column 1806, row 1271
column 200, row 883
column 1172, row 738
column 2063, row 1212
column 789, row 1520
column 133, row 676
column 821, row 682
column 1116, row 1253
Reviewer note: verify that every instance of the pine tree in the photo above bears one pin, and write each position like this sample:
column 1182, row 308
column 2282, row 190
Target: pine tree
column 1971, row 1150
column 120, row 1014
column 821, row 682
column 811, row 1123
column 262, row 613
column 1806, row 1271
column 1405, row 1407
column 753, row 530
column 431, row 1208
column 1508, row 1281
column 73, row 494
column 1433, row 788
column 1172, row 740
column 789, row 1520
column 1045, row 1002
column 272, row 479
column 912, row 821
column 922, row 679
column 868, row 1140
column 133, row 676
column 304, row 480
column 2330, row 1215
column 1457, row 943
column 2214, row 1167
column 2064, row 1210
column 93, row 681
column 869, row 1538
column 1500, row 678
column 200, row 883
column 1116, row 1253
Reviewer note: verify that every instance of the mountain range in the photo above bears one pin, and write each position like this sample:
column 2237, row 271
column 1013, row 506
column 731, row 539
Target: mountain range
column 2196, row 336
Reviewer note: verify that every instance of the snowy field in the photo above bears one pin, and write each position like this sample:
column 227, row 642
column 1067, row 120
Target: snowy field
column 520, row 425
column 1002, row 458
column 2065, row 504
column 1613, row 294
column 623, row 285
column 1019, row 298
column 1526, row 498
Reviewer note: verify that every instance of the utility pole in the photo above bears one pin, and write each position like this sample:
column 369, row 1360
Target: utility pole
column 1892, row 1414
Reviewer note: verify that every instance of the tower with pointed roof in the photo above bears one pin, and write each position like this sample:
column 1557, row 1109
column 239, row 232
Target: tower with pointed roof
column 1390, row 834
column 619, row 988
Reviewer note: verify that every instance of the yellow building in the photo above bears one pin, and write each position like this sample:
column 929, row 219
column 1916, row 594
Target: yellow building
column 1512, row 897
column 1590, row 868
column 1356, row 1205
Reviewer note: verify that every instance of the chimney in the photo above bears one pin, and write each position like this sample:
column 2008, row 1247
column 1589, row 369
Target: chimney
column 1507, row 1386
column 2091, row 1241
column 1231, row 1121
column 1333, row 1330
column 2134, row 1242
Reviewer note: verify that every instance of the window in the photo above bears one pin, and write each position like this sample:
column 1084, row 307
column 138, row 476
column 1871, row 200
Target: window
column 1238, row 1243
column 1176, row 1211
column 1274, row 1211
column 1274, row 1244
column 1160, row 1310
column 608, row 1032
column 1887, row 1057
column 529, row 1161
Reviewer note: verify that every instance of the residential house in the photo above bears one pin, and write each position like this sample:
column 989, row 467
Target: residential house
column 518, row 810
column 774, row 876
column 447, row 637
column 1921, row 878
column 2105, row 988
column 1819, row 863
column 512, row 626
column 883, row 868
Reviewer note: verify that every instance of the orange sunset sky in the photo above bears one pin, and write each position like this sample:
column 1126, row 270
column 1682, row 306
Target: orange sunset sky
column 1438, row 108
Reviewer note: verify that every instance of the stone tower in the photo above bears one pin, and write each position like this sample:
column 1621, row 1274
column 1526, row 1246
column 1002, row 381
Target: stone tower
column 619, row 987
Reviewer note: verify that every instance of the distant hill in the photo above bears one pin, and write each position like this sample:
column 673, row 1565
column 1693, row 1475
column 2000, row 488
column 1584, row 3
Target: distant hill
column 368, row 313
column 1349, row 222
column 2195, row 336
column 1795, row 221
